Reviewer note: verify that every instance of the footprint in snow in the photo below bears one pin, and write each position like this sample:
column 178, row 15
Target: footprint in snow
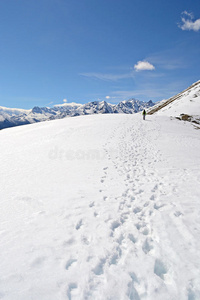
column 72, row 290
column 85, row 240
column 132, row 292
column 155, row 188
column 124, row 217
column 178, row 214
column 69, row 242
column 139, row 225
column 132, row 238
column 145, row 231
column 140, row 191
column 38, row 261
column 98, row 270
column 132, row 198
column 70, row 262
column 96, row 214
column 158, row 206
column 152, row 198
column 136, row 210
column 114, row 226
column 115, row 257
column 147, row 245
column 191, row 295
column 121, row 205
column 79, row 224
column 160, row 269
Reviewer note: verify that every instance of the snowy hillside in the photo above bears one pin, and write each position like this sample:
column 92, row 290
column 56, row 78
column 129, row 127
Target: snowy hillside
column 10, row 117
column 100, row 207
column 186, row 102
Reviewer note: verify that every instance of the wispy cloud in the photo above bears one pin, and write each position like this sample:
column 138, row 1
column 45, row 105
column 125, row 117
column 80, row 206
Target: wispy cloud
column 140, row 66
column 168, row 60
column 188, row 23
column 50, row 103
column 140, row 93
column 111, row 99
column 150, row 91
column 143, row 66
column 107, row 77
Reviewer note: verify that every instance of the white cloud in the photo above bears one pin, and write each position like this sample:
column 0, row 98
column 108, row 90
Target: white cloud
column 188, row 23
column 143, row 66
column 188, row 14
column 107, row 97
column 65, row 100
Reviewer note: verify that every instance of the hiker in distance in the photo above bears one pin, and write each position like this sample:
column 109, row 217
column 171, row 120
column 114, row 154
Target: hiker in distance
column 144, row 114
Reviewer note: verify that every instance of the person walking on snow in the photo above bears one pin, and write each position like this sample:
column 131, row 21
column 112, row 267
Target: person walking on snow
column 144, row 114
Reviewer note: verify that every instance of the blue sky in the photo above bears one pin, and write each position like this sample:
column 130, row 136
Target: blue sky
column 87, row 50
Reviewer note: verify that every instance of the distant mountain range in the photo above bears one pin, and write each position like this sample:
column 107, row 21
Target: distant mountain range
column 10, row 117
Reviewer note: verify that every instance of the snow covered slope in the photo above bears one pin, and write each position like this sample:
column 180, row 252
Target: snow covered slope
column 186, row 102
column 100, row 207
column 10, row 117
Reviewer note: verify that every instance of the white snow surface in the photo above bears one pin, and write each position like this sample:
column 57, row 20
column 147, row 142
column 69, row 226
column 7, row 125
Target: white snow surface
column 101, row 207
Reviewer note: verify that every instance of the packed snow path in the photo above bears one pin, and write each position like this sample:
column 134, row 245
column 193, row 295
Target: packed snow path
column 100, row 207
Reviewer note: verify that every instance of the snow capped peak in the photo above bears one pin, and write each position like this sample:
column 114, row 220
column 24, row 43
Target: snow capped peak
column 13, row 111
column 133, row 106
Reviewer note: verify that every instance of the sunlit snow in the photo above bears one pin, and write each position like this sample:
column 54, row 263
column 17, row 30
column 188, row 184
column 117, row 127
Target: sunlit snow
column 100, row 207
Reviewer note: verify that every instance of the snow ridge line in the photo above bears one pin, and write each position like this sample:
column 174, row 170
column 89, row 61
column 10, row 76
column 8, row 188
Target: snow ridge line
column 170, row 100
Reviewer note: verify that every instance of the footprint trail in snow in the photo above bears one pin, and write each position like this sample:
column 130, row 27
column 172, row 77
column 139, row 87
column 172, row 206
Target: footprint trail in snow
column 130, row 233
